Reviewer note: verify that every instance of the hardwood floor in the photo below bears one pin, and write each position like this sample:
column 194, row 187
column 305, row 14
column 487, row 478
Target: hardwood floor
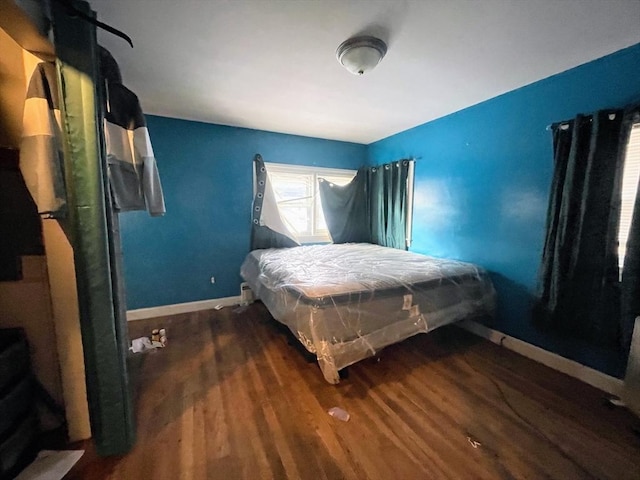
column 229, row 399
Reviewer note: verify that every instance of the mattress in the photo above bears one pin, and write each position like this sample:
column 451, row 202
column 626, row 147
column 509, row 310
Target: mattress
column 345, row 302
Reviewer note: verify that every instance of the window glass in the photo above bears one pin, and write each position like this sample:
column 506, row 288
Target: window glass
column 297, row 193
column 631, row 175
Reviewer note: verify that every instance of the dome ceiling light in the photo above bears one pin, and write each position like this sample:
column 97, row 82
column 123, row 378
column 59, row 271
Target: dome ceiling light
column 360, row 55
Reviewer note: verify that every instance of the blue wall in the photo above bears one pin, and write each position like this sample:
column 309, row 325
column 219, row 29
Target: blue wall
column 206, row 173
column 482, row 184
column 483, row 176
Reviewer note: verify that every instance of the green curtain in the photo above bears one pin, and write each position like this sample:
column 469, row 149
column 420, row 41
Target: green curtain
column 93, row 233
column 388, row 200
column 579, row 273
column 371, row 208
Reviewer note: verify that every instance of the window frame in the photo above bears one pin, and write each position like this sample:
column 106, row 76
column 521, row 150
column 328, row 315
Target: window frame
column 628, row 192
column 314, row 235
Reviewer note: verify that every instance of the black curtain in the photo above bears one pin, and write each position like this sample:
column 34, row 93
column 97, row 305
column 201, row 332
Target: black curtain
column 579, row 271
column 630, row 286
column 371, row 208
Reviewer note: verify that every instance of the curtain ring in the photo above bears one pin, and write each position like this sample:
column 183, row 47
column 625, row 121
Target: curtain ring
column 374, row 169
column 261, row 182
column 255, row 220
column 259, row 195
column 262, row 169
column 257, row 208
column 386, row 167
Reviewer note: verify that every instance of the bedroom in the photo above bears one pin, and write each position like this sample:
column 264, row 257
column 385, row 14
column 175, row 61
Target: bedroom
column 483, row 168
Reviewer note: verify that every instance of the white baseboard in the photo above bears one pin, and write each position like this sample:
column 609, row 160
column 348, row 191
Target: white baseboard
column 142, row 313
column 593, row 377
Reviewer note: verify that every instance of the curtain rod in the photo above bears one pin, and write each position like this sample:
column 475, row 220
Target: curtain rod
column 565, row 123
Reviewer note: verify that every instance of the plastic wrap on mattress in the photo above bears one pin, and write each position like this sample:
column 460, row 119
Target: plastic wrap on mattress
column 345, row 302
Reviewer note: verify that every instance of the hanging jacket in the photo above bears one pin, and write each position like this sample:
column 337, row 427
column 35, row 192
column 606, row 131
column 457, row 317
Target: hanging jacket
column 41, row 159
column 133, row 175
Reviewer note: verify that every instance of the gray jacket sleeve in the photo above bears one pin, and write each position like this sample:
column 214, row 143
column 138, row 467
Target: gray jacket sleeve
column 41, row 159
column 151, row 187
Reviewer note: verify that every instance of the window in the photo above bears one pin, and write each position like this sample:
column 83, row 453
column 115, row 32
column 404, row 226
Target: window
column 297, row 194
column 630, row 177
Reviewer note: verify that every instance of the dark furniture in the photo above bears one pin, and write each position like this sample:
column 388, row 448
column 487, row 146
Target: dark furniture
column 19, row 426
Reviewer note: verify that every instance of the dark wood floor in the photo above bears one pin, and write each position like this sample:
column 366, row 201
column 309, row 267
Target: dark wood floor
column 229, row 399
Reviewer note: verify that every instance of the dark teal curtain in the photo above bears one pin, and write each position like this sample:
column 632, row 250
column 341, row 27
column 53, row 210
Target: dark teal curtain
column 388, row 200
column 346, row 210
column 630, row 285
column 262, row 236
column 372, row 208
column 579, row 271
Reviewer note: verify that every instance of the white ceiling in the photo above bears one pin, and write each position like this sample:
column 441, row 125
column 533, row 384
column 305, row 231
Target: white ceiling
column 270, row 64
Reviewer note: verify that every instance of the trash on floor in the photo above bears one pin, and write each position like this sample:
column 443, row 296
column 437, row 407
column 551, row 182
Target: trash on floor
column 474, row 443
column 339, row 413
column 163, row 337
column 141, row 344
column 158, row 339
column 218, row 307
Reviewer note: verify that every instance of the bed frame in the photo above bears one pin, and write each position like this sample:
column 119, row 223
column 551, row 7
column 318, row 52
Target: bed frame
column 346, row 302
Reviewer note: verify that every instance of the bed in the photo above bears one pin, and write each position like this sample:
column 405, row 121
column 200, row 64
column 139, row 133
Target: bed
column 345, row 302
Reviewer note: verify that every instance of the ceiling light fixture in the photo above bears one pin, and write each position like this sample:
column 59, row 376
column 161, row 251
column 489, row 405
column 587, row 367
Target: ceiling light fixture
column 360, row 55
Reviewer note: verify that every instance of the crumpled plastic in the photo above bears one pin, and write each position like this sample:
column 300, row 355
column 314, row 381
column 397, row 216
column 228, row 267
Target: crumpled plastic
column 346, row 302
column 143, row 344
column 339, row 413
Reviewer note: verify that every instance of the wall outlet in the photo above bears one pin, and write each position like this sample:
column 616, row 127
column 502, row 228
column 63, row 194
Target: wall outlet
column 213, row 279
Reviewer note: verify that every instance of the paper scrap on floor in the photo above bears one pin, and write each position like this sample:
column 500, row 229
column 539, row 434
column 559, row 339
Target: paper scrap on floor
column 144, row 344
column 51, row 465
column 339, row 413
